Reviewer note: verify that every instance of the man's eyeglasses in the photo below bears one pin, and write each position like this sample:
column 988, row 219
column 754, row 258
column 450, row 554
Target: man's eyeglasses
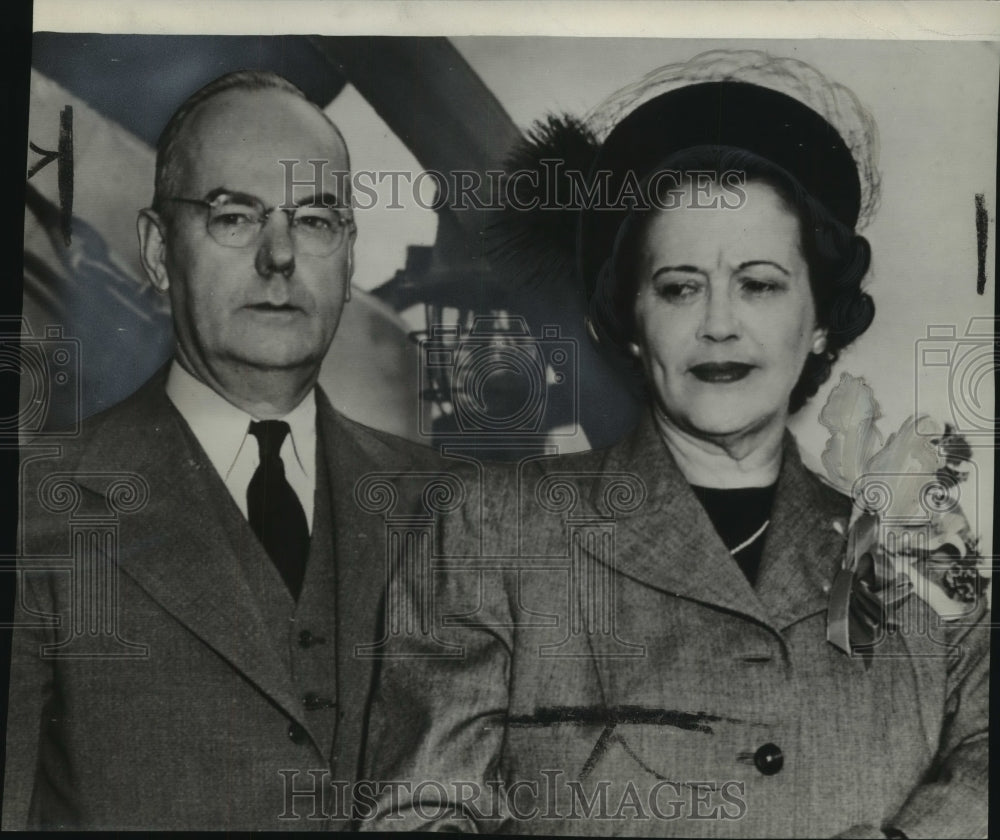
column 236, row 222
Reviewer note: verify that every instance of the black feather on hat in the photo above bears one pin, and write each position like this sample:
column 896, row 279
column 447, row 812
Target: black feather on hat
column 539, row 244
column 562, row 238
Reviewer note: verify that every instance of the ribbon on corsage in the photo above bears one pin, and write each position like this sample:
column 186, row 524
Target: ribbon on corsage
column 907, row 535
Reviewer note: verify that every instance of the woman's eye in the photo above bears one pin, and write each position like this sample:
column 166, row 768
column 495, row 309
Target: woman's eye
column 676, row 290
column 759, row 287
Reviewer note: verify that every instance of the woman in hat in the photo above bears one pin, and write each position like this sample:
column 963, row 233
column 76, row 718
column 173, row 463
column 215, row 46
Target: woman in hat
column 642, row 647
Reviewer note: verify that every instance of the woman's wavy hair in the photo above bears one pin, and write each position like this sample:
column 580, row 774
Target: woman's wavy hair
column 836, row 256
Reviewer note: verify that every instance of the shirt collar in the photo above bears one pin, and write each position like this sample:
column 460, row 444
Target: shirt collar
column 221, row 428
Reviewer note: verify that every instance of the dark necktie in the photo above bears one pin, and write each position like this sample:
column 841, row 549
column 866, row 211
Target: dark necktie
column 274, row 511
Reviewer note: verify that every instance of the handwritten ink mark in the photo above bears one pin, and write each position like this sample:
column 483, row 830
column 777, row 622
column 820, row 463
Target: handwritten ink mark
column 64, row 158
column 601, row 716
column 47, row 158
column 982, row 239
column 597, row 753
column 611, row 719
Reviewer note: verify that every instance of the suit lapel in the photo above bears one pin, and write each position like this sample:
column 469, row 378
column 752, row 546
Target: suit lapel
column 669, row 542
column 802, row 549
column 189, row 566
column 359, row 541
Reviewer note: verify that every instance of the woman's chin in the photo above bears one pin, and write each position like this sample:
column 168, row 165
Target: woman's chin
column 725, row 419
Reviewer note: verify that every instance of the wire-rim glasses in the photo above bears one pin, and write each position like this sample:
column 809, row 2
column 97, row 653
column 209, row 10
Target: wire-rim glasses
column 236, row 221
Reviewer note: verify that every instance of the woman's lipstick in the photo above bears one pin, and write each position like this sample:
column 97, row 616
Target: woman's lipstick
column 720, row 371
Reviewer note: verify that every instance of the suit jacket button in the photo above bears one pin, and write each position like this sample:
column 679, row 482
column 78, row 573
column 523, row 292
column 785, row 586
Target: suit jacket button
column 769, row 759
column 307, row 639
column 297, row 733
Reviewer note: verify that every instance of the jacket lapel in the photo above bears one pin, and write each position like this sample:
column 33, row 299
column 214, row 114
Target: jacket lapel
column 189, row 565
column 669, row 542
column 802, row 549
column 359, row 540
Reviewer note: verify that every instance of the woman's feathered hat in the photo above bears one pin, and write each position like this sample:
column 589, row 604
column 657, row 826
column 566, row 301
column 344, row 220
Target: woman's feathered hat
column 780, row 109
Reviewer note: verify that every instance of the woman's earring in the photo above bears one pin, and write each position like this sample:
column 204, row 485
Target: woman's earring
column 633, row 348
column 819, row 345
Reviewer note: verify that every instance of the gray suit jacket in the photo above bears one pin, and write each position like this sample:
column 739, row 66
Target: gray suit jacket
column 177, row 698
column 611, row 665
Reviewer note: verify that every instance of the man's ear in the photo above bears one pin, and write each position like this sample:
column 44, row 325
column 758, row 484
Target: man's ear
column 153, row 248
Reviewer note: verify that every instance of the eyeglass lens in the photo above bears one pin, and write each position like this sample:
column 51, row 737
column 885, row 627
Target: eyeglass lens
column 316, row 229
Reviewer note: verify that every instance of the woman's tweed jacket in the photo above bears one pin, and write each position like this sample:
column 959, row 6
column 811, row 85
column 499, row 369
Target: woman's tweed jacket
column 594, row 646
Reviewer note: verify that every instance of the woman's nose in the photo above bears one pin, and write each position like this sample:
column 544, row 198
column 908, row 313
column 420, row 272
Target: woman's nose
column 276, row 250
column 719, row 322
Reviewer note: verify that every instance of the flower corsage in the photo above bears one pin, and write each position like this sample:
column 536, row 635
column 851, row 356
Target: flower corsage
column 907, row 535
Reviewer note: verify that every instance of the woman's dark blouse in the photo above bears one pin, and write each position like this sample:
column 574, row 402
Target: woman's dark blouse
column 737, row 515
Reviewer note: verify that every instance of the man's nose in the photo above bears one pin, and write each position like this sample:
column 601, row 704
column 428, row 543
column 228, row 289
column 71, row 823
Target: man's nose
column 720, row 321
column 276, row 250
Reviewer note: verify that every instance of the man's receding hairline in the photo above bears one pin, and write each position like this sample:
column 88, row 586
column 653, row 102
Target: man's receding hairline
column 173, row 147
column 195, row 114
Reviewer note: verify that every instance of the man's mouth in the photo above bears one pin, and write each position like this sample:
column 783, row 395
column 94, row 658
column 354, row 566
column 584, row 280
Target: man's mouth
column 719, row 372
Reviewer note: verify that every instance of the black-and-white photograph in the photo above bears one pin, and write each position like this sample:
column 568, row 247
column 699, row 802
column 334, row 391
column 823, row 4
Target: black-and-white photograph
column 445, row 416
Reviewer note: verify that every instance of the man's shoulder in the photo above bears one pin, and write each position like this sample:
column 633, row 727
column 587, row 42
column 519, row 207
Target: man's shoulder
column 117, row 429
column 119, row 452
column 383, row 450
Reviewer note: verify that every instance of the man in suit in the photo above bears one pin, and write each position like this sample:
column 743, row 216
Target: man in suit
column 195, row 575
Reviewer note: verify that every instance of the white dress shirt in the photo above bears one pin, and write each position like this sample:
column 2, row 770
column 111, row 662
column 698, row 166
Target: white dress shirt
column 223, row 430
